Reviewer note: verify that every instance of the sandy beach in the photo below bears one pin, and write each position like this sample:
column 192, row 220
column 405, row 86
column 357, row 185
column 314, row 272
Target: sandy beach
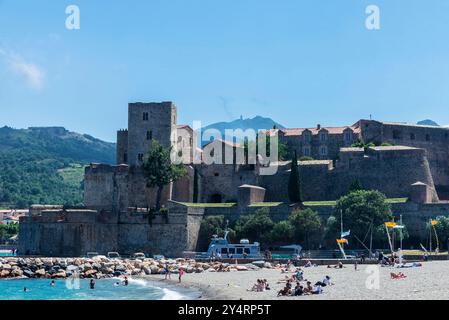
column 423, row 283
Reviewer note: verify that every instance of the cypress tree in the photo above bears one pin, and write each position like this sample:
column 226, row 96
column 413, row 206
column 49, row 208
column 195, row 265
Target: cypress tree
column 294, row 187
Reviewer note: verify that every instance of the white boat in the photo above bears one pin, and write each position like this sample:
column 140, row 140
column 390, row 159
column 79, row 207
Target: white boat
column 220, row 247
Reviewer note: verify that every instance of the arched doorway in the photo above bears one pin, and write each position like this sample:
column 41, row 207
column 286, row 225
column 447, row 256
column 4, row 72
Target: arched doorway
column 216, row 198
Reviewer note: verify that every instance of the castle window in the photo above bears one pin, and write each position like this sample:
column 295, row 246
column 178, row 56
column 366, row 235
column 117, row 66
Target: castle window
column 146, row 116
column 348, row 136
column 397, row 134
column 216, row 174
column 306, row 151
column 149, row 135
column 140, row 157
column 323, row 136
column 307, row 136
column 323, row 151
column 427, row 137
column 125, row 158
column 412, row 136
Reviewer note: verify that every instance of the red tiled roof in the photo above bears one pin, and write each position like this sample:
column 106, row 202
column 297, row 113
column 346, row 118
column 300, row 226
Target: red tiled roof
column 314, row 131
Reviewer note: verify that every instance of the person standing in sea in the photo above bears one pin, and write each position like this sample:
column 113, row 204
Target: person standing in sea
column 181, row 274
column 92, row 284
column 167, row 272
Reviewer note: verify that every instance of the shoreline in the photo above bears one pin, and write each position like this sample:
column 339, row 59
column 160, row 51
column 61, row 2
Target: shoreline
column 202, row 292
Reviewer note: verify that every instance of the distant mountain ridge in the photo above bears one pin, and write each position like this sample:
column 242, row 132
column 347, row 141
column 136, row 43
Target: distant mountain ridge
column 58, row 142
column 428, row 122
column 257, row 123
column 45, row 165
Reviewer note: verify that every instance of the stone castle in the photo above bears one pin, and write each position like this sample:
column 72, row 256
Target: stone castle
column 413, row 163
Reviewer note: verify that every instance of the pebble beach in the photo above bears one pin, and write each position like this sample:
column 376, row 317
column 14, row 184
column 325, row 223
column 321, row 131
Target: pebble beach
column 423, row 283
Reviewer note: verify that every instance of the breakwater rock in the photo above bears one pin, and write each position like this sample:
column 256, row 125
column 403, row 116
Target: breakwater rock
column 102, row 267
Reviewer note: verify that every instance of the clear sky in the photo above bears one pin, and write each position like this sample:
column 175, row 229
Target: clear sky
column 299, row 62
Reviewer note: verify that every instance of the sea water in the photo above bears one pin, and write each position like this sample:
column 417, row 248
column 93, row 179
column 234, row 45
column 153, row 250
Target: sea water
column 106, row 289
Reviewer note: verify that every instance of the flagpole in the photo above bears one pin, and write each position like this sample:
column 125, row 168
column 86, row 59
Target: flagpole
column 400, row 253
column 430, row 235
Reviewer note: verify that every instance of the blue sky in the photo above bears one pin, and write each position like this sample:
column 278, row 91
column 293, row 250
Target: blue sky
column 299, row 62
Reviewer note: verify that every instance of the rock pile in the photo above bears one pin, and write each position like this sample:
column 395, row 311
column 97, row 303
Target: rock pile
column 102, row 267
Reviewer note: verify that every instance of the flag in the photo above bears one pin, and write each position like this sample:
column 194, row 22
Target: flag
column 390, row 224
column 434, row 222
column 342, row 241
column 398, row 227
column 345, row 234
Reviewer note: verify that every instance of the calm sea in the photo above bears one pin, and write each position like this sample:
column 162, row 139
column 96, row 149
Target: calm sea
column 38, row 289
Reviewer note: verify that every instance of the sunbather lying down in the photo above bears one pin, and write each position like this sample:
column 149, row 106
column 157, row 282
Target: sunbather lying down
column 399, row 275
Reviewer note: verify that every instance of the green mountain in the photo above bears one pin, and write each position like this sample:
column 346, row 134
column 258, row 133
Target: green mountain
column 257, row 123
column 46, row 165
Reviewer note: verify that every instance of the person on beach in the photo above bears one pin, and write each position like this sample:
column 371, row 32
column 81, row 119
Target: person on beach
column 317, row 289
column 181, row 274
column 92, row 284
column 299, row 290
column 308, row 289
column 326, row 282
column 167, row 272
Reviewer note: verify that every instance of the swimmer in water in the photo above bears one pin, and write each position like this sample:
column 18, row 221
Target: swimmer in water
column 25, row 289
column 92, row 284
column 126, row 282
column 52, row 284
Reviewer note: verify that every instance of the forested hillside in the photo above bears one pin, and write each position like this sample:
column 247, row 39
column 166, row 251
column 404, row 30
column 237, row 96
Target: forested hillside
column 46, row 165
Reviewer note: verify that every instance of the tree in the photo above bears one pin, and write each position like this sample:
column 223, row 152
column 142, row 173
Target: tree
column 160, row 171
column 282, row 147
column 306, row 223
column 355, row 186
column 283, row 233
column 294, row 186
column 212, row 225
column 256, row 227
column 361, row 211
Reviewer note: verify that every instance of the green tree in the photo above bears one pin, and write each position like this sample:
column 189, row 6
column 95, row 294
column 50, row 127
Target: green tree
column 212, row 225
column 283, row 233
column 282, row 147
column 294, row 186
column 160, row 171
column 361, row 211
column 307, row 225
column 355, row 186
column 256, row 227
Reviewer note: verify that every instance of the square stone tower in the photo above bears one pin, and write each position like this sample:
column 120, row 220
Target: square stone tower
column 146, row 122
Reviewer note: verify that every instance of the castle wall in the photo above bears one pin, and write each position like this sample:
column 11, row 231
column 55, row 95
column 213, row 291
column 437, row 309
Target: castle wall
column 433, row 139
column 122, row 147
column 391, row 170
column 73, row 233
column 219, row 183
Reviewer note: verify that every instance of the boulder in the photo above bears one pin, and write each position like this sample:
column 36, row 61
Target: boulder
column 4, row 273
column 40, row 273
column 16, row 272
column 259, row 264
column 28, row 273
column 241, row 268
column 61, row 274
column 90, row 273
column 6, row 267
